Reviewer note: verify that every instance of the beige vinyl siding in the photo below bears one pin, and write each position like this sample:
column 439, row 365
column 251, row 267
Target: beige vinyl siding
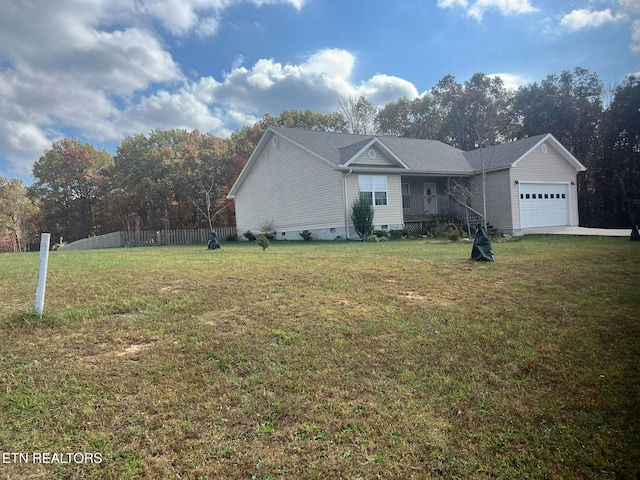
column 548, row 167
column 390, row 214
column 498, row 193
column 416, row 184
column 294, row 188
column 381, row 158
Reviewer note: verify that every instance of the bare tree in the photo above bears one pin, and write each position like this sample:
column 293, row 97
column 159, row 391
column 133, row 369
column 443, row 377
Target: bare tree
column 359, row 114
column 462, row 190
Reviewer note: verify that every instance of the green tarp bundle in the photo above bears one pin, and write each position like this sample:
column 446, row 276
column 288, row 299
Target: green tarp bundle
column 482, row 247
column 213, row 241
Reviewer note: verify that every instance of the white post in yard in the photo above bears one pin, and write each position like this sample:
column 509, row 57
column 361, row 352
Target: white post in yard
column 42, row 273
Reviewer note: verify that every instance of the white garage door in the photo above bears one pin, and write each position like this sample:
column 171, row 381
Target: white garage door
column 544, row 205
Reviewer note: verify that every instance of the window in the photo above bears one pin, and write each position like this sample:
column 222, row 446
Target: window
column 373, row 188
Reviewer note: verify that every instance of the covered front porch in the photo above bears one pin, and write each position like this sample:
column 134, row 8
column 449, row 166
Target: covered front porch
column 427, row 198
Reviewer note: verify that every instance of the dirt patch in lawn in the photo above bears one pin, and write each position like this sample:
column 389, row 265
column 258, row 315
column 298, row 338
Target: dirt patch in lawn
column 225, row 322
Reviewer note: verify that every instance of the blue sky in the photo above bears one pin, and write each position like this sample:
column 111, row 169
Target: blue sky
column 100, row 70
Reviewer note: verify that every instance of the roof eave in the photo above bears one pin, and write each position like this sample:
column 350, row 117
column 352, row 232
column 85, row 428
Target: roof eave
column 247, row 166
column 397, row 170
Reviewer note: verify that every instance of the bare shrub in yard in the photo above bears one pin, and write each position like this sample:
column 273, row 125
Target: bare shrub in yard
column 267, row 228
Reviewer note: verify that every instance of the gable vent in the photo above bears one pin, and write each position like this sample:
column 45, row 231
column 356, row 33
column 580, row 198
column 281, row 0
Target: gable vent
column 543, row 148
column 372, row 154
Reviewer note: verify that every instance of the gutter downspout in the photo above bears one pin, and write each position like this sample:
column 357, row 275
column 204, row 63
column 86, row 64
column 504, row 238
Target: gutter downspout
column 346, row 205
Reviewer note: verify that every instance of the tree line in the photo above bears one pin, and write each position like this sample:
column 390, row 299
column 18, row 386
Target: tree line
column 171, row 179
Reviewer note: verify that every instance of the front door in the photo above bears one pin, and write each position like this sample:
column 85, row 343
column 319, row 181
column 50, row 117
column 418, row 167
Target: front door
column 430, row 198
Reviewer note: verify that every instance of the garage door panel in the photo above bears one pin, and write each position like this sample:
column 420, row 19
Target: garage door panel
column 544, row 205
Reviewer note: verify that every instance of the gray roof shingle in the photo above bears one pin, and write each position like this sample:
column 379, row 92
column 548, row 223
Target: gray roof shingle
column 335, row 147
column 423, row 156
column 420, row 155
column 501, row 156
column 430, row 156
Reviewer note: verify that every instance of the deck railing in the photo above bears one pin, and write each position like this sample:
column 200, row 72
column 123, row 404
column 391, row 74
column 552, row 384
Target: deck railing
column 424, row 205
column 421, row 207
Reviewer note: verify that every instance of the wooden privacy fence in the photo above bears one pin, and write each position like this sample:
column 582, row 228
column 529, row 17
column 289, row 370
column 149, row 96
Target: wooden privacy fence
column 173, row 237
column 150, row 237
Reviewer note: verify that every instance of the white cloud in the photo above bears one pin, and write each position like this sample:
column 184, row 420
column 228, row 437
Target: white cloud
column 587, row 18
column 238, row 117
column 104, row 84
column 452, row 3
column 635, row 36
column 297, row 4
column 631, row 6
column 511, row 81
column 477, row 8
column 316, row 84
column 167, row 110
column 97, row 70
column 579, row 19
column 631, row 9
column 506, row 7
column 181, row 17
column 90, row 68
column 19, row 141
column 124, row 61
column 382, row 89
column 264, row 74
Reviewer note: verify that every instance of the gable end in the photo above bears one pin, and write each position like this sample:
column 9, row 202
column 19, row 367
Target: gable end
column 556, row 145
column 268, row 136
column 376, row 153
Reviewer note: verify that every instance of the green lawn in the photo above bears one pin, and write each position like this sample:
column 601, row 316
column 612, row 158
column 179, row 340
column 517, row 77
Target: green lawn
column 401, row 359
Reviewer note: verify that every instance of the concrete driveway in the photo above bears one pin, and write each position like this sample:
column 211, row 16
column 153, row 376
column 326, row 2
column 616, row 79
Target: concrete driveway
column 599, row 232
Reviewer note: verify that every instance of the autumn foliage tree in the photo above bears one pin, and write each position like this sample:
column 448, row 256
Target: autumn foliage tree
column 417, row 118
column 18, row 216
column 567, row 105
column 474, row 113
column 205, row 174
column 308, row 120
column 142, row 180
column 68, row 188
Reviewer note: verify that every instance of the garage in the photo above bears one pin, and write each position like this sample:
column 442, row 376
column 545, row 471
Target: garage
column 544, row 205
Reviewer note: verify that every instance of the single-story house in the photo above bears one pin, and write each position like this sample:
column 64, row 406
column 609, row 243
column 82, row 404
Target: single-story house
column 307, row 180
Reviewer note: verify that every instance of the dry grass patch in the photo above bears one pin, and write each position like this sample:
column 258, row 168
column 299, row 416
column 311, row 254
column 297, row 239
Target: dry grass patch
column 327, row 360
